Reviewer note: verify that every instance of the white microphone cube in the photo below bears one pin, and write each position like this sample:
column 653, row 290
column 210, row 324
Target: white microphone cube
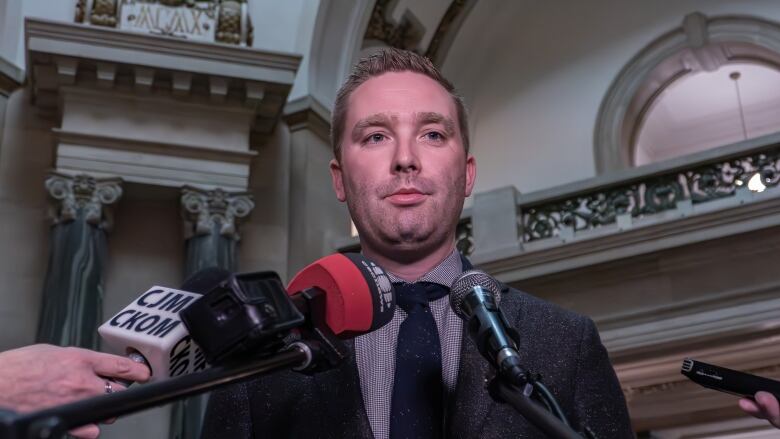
column 151, row 325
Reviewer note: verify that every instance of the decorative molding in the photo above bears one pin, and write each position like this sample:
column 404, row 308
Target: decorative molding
column 699, row 44
column 401, row 36
column 11, row 77
column 687, row 330
column 203, row 210
column 153, row 162
column 203, row 106
column 148, row 65
column 154, row 147
column 111, row 45
column 83, row 193
column 308, row 113
column 408, row 32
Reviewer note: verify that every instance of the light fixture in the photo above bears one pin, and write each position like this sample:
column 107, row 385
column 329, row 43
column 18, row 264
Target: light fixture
column 735, row 75
column 755, row 184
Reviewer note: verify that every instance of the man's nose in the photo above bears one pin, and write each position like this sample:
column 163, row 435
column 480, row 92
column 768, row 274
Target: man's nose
column 406, row 158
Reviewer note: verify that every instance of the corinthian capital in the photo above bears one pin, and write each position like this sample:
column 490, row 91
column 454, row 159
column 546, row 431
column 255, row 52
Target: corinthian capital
column 84, row 193
column 203, row 209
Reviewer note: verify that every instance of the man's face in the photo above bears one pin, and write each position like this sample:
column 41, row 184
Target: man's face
column 403, row 170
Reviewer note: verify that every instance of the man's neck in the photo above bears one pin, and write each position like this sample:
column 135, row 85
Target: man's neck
column 414, row 270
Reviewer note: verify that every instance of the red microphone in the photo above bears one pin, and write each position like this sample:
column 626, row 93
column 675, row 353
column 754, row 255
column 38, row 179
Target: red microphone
column 340, row 295
column 359, row 296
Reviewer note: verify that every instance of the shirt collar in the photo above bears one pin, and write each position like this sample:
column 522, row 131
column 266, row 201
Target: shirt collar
column 443, row 274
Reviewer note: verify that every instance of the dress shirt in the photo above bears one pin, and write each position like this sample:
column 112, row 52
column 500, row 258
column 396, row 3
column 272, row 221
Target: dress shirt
column 375, row 351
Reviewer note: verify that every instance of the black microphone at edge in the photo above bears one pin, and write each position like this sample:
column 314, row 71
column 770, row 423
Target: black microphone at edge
column 474, row 297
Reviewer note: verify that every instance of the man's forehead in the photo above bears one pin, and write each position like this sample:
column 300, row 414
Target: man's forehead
column 400, row 95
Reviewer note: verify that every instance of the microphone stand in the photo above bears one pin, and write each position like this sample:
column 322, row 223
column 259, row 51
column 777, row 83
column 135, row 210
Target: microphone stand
column 56, row 421
column 520, row 400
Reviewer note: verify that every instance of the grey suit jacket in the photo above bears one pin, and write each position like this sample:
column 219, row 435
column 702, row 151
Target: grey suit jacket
column 561, row 345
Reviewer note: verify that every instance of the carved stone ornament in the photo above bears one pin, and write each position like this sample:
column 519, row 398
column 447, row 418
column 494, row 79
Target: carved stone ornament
column 225, row 21
column 203, row 209
column 83, row 193
column 698, row 184
column 104, row 13
column 401, row 36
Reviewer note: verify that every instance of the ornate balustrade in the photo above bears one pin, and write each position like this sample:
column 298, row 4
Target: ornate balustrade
column 647, row 195
column 715, row 193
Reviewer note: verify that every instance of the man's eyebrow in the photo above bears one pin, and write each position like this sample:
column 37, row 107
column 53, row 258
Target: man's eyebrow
column 374, row 120
column 427, row 117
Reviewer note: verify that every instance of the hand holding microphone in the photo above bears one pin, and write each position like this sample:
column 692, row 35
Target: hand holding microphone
column 150, row 331
column 40, row 376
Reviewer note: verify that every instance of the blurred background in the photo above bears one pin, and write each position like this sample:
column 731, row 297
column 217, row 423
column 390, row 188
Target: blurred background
column 628, row 161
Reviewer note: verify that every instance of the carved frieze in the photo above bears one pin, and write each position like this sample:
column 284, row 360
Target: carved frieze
column 224, row 21
column 653, row 195
column 408, row 32
column 202, row 210
column 83, row 193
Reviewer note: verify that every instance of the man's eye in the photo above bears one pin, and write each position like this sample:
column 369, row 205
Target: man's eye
column 375, row 138
column 434, row 136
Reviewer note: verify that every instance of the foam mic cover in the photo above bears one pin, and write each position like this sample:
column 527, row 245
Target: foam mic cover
column 205, row 280
column 358, row 294
column 151, row 326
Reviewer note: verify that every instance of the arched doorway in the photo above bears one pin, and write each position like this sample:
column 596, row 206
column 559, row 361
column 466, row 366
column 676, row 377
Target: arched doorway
column 700, row 46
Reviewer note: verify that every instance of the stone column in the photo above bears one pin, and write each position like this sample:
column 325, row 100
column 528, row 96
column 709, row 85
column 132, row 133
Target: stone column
column 317, row 220
column 211, row 232
column 72, row 302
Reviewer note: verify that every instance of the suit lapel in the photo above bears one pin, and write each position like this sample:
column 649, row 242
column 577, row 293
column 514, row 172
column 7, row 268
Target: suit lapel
column 468, row 408
column 339, row 398
column 359, row 423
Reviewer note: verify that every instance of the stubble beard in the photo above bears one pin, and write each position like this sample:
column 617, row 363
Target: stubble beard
column 405, row 234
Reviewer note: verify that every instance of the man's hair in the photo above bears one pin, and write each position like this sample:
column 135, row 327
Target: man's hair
column 383, row 61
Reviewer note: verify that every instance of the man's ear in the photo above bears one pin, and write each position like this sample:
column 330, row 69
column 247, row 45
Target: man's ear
column 337, row 180
column 471, row 174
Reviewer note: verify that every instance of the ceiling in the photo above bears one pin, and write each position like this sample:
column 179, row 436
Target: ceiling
column 701, row 111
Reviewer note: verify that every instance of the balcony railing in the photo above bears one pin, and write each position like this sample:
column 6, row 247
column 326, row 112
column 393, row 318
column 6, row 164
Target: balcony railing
column 625, row 213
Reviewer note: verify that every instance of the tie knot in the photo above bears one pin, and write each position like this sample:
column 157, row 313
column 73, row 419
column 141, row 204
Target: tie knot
column 410, row 295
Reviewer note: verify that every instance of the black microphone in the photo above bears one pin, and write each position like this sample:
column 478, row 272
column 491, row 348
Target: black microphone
column 474, row 297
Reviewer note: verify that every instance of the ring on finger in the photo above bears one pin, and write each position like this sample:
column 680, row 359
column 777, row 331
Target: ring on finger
column 108, row 387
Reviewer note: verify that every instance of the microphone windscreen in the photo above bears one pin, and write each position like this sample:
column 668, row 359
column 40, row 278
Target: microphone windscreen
column 466, row 282
column 359, row 296
column 205, row 280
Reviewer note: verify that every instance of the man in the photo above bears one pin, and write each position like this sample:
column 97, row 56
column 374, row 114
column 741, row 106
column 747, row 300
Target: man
column 40, row 376
column 400, row 140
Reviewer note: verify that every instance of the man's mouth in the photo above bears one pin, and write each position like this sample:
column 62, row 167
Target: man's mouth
column 407, row 197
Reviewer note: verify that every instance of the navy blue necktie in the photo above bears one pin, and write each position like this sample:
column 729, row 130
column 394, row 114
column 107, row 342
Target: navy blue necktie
column 417, row 407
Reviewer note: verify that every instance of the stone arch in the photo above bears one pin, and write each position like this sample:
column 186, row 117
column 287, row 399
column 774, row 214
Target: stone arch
column 699, row 44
